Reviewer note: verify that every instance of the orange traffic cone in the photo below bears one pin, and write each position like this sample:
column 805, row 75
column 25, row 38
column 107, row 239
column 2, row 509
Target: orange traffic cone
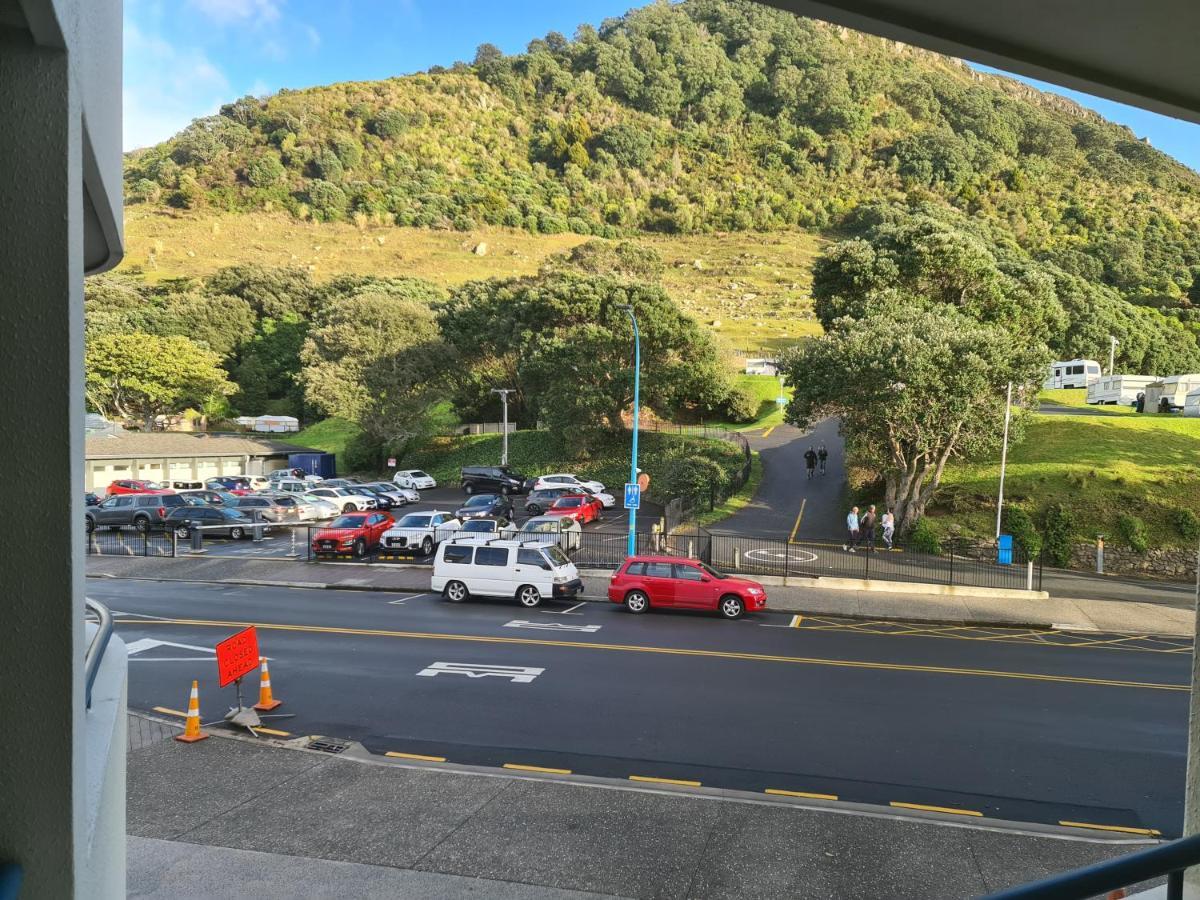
column 192, row 732
column 265, row 700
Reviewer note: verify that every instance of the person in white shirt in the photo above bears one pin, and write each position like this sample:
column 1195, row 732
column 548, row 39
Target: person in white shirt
column 888, row 522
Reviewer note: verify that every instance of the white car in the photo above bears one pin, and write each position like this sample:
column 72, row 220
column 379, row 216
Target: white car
column 323, row 507
column 414, row 478
column 608, row 501
column 561, row 529
column 259, row 483
column 565, row 480
column 400, row 496
column 348, row 500
column 420, row 532
column 523, row 570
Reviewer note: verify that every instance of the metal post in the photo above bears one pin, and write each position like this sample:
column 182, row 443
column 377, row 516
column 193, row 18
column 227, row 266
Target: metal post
column 951, row 545
column 1112, row 352
column 1029, row 574
column 637, row 388
column 1003, row 457
column 1099, row 554
column 504, row 392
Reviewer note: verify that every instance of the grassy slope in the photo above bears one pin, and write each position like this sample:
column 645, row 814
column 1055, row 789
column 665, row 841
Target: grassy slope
column 755, row 285
column 1096, row 466
column 770, row 413
column 330, row 435
column 1077, row 398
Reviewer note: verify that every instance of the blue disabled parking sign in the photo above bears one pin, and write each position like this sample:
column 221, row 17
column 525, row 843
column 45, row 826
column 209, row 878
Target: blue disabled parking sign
column 633, row 496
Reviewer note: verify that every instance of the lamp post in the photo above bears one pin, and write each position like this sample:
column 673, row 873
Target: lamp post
column 1003, row 458
column 1112, row 352
column 637, row 386
column 504, row 392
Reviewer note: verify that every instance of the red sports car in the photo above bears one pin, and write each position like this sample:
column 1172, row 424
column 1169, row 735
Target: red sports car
column 136, row 487
column 646, row 581
column 583, row 508
column 356, row 533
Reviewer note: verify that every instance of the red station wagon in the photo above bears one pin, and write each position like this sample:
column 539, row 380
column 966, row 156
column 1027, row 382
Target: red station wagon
column 136, row 487
column 354, row 533
column 580, row 507
column 679, row 583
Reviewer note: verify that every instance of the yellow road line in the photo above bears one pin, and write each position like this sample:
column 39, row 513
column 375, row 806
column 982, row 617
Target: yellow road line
column 1123, row 829
column 520, row 768
column 799, row 516
column 805, row 794
column 272, row 731
column 670, row 651
column 654, row 780
column 796, row 620
column 170, row 712
column 767, row 433
column 397, row 755
column 939, row 809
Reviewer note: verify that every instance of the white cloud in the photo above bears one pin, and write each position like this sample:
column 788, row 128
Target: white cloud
column 314, row 36
column 225, row 12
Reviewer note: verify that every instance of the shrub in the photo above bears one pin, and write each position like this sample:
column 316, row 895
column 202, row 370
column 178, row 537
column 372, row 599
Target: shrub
column 1056, row 535
column 742, row 404
column 923, row 539
column 1016, row 521
column 327, row 199
column 1132, row 531
column 347, row 149
column 1186, row 524
column 390, row 123
column 264, row 171
column 693, row 477
column 328, row 167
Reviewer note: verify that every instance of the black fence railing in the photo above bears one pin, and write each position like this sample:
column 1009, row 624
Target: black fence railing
column 131, row 542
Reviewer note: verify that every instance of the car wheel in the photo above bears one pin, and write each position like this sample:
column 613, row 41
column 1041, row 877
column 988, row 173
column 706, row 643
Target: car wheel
column 637, row 602
column 237, row 533
column 529, row 596
column 349, row 507
column 427, row 546
column 456, row 592
column 533, row 510
column 360, row 548
column 732, row 607
column 142, row 524
column 468, row 489
column 183, row 532
column 90, row 525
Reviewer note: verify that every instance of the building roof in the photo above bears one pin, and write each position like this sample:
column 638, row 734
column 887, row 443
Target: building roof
column 184, row 444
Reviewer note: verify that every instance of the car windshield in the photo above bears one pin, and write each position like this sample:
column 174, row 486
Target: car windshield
column 480, row 500
column 556, row 556
column 711, row 571
column 344, row 492
column 192, row 500
column 314, row 498
column 417, row 473
column 414, row 522
column 347, row 522
column 568, row 502
column 540, row 526
column 479, row 526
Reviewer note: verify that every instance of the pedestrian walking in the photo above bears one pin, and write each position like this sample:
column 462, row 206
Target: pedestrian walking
column 810, row 461
column 866, row 527
column 888, row 522
column 852, row 528
column 822, row 456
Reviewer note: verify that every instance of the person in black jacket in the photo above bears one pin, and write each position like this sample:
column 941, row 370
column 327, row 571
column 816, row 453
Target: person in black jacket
column 822, row 456
column 866, row 525
column 810, row 460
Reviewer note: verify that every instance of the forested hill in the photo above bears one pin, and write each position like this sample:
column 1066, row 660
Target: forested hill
column 706, row 115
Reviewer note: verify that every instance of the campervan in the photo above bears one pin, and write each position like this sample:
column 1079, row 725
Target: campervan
column 1122, row 389
column 1072, row 373
column 1191, row 404
column 1167, row 394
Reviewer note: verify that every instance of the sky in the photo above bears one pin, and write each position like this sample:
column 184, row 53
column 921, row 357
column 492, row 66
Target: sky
column 184, row 58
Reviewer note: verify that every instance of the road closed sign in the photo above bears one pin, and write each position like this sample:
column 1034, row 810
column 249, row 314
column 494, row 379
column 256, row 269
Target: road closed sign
column 237, row 656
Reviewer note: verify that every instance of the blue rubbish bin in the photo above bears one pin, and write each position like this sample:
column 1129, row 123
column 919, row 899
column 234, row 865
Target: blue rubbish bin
column 1004, row 548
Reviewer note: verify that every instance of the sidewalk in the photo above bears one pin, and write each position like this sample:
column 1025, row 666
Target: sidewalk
column 235, row 818
column 1055, row 612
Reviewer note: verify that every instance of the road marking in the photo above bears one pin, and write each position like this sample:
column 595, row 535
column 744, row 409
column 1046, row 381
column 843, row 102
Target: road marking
column 552, row 626
column 516, row 674
column 938, row 809
column 1150, row 832
column 402, row 599
column 520, row 768
column 141, row 646
column 679, row 651
column 395, row 754
column 804, row 794
column 796, row 620
column 799, row 516
column 767, row 433
column 170, row 712
column 652, row 780
column 273, row 732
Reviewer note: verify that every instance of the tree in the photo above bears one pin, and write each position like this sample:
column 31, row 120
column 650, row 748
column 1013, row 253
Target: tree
column 140, row 376
column 912, row 388
column 222, row 322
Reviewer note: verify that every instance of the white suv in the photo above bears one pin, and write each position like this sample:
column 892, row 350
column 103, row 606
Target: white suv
column 348, row 499
column 564, row 480
column 528, row 571
column 414, row 478
column 420, row 532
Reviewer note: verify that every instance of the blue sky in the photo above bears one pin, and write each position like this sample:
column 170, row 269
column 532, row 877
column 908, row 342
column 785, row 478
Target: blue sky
column 184, row 58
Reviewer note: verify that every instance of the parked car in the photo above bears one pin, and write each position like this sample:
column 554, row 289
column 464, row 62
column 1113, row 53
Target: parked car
column 400, row 496
column 323, row 507
column 565, row 480
column 135, row 487
column 344, row 481
column 91, row 499
column 530, row 573
column 500, row 527
column 382, row 500
column 263, row 505
column 142, row 511
column 234, row 484
column 347, row 499
column 493, row 479
column 671, row 582
column 583, row 508
column 356, row 533
column 482, row 506
column 541, row 499
column 421, row 532
column 292, row 485
column 563, row 530
column 415, row 479
column 296, row 507
column 297, row 473
column 213, row 521
column 204, row 497
column 186, row 485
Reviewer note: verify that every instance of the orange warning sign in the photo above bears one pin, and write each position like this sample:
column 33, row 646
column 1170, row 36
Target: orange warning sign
column 237, row 656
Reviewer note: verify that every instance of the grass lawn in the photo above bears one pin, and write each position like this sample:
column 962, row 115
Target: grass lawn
column 1098, row 467
column 1077, row 398
column 769, row 412
column 330, row 435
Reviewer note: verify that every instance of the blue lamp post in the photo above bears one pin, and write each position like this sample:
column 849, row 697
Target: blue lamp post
column 637, row 386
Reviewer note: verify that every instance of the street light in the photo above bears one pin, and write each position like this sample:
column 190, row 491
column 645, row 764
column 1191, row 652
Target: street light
column 504, row 392
column 1003, row 458
column 637, row 386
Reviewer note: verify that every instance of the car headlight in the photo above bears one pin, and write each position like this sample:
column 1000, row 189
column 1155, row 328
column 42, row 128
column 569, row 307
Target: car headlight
column 348, row 542
column 560, row 579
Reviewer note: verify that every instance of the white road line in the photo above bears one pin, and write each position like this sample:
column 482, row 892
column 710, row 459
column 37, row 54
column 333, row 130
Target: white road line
column 516, row 674
column 552, row 626
column 402, row 599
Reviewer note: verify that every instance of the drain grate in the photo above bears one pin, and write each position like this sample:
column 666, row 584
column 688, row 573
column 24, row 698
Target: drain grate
column 328, row 745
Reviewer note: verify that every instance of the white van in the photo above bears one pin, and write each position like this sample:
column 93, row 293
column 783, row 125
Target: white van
column 529, row 571
column 1071, row 373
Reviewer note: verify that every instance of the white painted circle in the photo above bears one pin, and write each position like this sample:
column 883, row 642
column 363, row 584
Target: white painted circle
column 777, row 557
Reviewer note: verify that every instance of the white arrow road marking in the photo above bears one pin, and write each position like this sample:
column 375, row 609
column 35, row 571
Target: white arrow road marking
column 141, row 646
column 552, row 626
column 516, row 674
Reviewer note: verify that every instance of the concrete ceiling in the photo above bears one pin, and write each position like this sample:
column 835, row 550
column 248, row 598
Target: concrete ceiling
column 1140, row 52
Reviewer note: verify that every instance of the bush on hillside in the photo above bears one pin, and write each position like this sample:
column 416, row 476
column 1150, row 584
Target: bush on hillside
column 742, row 404
column 1132, row 531
column 265, row 171
column 1186, row 523
column 693, row 478
column 1056, row 532
column 923, row 539
column 1016, row 521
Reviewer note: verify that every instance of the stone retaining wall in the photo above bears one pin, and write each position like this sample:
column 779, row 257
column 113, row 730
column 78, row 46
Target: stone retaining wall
column 1175, row 564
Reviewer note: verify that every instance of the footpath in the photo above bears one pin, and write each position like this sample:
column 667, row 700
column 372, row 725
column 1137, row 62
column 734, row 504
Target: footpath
column 238, row 818
column 1169, row 615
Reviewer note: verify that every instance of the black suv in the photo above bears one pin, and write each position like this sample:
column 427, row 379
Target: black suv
column 139, row 510
column 539, row 501
column 497, row 479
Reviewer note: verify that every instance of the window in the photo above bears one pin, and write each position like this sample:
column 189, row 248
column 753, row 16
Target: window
column 491, row 556
column 532, row 558
column 687, row 573
column 658, row 570
column 557, row 556
column 637, row 568
column 1076, row 370
column 458, row 555
column 123, row 501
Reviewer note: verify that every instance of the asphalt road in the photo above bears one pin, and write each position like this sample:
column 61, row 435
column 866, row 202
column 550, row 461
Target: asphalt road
column 997, row 723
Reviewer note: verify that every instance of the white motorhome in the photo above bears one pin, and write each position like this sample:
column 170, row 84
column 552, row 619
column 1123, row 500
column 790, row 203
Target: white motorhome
column 1122, row 389
column 1071, row 373
column 529, row 571
column 1191, row 404
column 1169, row 393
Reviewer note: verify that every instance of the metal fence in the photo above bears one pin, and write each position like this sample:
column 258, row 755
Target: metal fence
column 131, row 542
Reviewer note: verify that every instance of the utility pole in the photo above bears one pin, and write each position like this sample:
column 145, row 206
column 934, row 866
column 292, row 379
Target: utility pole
column 1112, row 352
column 637, row 386
column 1003, row 457
column 504, row 392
